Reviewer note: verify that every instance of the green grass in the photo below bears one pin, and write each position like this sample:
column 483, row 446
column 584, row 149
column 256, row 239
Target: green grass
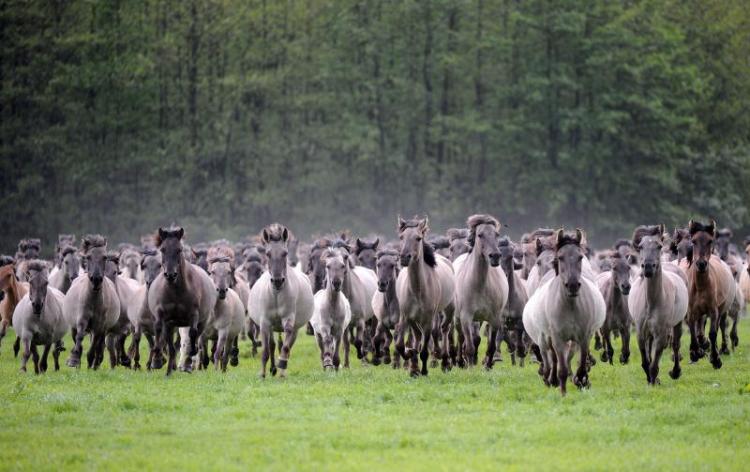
column 373, row 417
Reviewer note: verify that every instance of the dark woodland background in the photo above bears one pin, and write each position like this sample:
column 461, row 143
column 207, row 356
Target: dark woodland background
column 223, row 116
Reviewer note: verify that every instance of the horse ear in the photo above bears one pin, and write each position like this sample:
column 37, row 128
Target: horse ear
column 424, row 225
column 689, row 255
column 579, row 236
column 401, row 223
column 375, row 244
column 559, row 238
column 691, row 224
column 713, row 228
column 162, row 233
column 358, row 244
column 180, row 233
column 662, row 229
column 264, row 236
column 285, row 235
column 539, row 247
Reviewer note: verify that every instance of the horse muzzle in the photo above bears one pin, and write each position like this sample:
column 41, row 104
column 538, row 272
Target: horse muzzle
column 573, row 289
column 222, row 293
column 405, row 260
column 625, row 289
column 171, row 277
column 702, row 266
column 37, row 308
column 96, row 282
column 382, row 286
column 278, row 282
column 337, row 285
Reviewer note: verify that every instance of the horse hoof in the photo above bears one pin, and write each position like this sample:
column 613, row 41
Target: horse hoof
column 273, row 370
column 376, row 361
column 234, row 362
column 73, row 362
column 282, row 364
column 716, row 363
column 675, row 373
column 655, row 382
column 433, row 364
column 386, row 360
column 414, row 374
column 623, row 360
column 724, row 350
column 694, row 356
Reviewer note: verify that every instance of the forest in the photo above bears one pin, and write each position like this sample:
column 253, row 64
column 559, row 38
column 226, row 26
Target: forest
column 223, row 116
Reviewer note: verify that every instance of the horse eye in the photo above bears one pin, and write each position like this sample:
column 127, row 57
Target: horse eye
column 419, row 238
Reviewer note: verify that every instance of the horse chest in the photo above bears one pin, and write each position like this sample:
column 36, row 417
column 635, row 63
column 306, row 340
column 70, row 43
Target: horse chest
column 180, row 311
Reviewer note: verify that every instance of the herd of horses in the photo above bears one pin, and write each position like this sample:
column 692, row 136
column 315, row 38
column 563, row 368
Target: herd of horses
column 431, row 297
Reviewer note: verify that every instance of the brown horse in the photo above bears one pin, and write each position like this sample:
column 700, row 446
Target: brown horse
column 711, row 290
column 13, row 292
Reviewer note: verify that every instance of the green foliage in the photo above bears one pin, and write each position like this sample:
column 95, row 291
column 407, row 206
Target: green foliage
column 223, row 116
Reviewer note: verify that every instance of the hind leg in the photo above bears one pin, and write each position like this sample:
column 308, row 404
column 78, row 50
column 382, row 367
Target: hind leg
column 695, row 350
column 26, row 354
column 234, row 356
column 733, row 334
column 134, row 351
column 491, row 347
column 676, row 336
column 581, row 378
column 123, row 358
column 45, row 356
column 724, row 325
column 712, row 335
column 625, row 336
column 347, row 334
column 35, row 358
column 436, row 335
column 56, row 355
column 111, row 341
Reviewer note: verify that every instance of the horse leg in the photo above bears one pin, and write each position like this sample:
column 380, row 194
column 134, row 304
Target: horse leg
column 445, row 331
column 290, row 335
column 491, row 347
column 712, row 333
column 436, row 335
column 234, row 357
column 16, row 346
column 45, row 356
column 520, row 346
column 625, row 336
column 3, row 328
column 561, row 348
column 581, row 378
column 733, row 334
column 35, row 358
column 358, row 337
column 336, row 348
column 347, row 333
column 56, row 356
column 123, row 354
column 91, row 354
column 723, row 325
column 377, row 344
column 75, row 354
column 172, row 351
column 643, row 348
column 112, row 349
column 424, row 351
column 676, row 336
column 26, row 354
column 265, row 339
column 469, row 346
column 597, row 341
column 133, row 350
column 156, row 358
column 604, row 336
column 477, row 339
column 420, row 341
column 694, row 346
column 704, row 343
column 658, row 345
column 272, row 352
column 387, row 347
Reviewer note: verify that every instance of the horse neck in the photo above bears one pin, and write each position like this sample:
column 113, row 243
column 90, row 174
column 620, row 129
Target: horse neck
column 390, row 293
column 478, row 267
column 333, row 295
column 510, row 275
column 95, row 298
column 616, row 297
column 702, row 280
column 13, row 292
column 416, row 272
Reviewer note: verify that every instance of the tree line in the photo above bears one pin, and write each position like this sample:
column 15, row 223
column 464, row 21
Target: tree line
column 223, row 116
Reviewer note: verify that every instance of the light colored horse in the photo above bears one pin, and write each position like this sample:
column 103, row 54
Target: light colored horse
column 658, row 303
column 38, row 318
column 711, row 290
column 359, row 286
column 564, row 313
column 424, row 289
column 63, row 276
column 481, row 286
column 139, row 313
column 332, row 314
column 92, row 305
column 281, row 300
column 615, row 286
column 183, row 295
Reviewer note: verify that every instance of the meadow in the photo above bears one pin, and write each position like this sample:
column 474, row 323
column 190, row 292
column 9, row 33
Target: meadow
column 369, row 417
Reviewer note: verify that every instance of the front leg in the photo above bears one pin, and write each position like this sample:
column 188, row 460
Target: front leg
column 712, row 335
column 45, row 355
column 290, row 335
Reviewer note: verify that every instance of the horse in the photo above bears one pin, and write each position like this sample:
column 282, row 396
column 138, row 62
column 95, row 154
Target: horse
column 281, row 300
column 735, row 263
column 481, row 287
column 359, row 286
column 38, row 318
column 681, row 245
column 63, row 240
column 711, row 290
column 139, row 313
column 13, row 291
column 91, row 305
column 182, row 295
column 247, row 274
column 441, row 245
column 365, row 252
column 63, row 275
column 458, row 245
column 512, row 314
column 228, row 316
column 385, row 307
column 424, row 289
column 564, row 313
column 658, row 304
column 28, row 249
column 129, row 260
column 126, row 289
column 332, row 312
column 614, row 285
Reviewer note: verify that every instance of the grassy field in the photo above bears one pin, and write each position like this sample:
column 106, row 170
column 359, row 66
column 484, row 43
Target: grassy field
column 373, row 417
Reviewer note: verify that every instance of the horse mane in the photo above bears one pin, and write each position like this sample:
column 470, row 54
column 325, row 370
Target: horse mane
column 63, row 239
column 439, row 242
column 457, row 233
column 697, row 226
column 362, row 244
column 541, row 233
column 474, row 221
column 275, row 232
column 387, row 253
column 525, row 238
column 412, row 223
column 725, row 232
column 505, row 242
column 429, row 254
column 67, row 249
column 220, row 254
column 29, row 243
column 645, row 230
column 564, row 239
column 6, row 260
column 91, row 241
column 201, row 249
column 149, row 251
column 341, row 244
column 171, row 232
column 113, row 256
column 623, row 242
column 36, row 265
